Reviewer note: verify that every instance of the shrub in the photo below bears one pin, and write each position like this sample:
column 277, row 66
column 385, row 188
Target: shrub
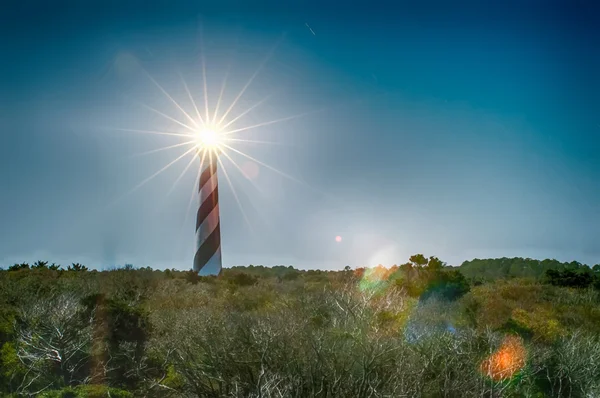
column 242, row 279
column 87, row 391
column 569, row 278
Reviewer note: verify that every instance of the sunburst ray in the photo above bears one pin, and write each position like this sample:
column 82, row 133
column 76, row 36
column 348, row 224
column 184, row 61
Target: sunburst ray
column 255, row 141
column 283, row 119
column 141, row 184
column 215, row 114
column 238, row 117
column 235, row 195
column 187, row 89
column 189, row 205
column 167, row 117
column 237, row 166
column 170, row 98
column 254, row 185
column 164, row 148
column 204, row 81
column 152, row 132
column 192, row 161
column 258, row 70
column 262, row 164
column 303, row 183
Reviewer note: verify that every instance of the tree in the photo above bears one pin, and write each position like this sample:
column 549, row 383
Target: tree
column 18, row 267
column 121, row 331
column 40, row 265
column 418, row 260
column 434, row 264
column 242, row 279
column 569, row 278
column 501, row 268
column 53, row 343
column 77, row 267
column 191, row 276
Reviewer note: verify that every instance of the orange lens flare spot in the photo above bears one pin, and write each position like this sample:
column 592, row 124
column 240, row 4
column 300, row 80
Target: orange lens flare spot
column 506, row 361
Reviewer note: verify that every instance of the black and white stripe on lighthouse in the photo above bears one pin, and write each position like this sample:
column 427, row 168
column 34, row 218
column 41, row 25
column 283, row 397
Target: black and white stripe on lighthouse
column 207, row 260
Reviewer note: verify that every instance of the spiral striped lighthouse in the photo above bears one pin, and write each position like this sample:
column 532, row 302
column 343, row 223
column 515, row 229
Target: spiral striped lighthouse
column 207, row 260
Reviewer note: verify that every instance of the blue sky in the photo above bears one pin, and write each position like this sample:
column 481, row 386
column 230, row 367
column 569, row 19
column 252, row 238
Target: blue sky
column 462, row 131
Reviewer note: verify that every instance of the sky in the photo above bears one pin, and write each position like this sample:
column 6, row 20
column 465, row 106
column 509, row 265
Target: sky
column 456, row 129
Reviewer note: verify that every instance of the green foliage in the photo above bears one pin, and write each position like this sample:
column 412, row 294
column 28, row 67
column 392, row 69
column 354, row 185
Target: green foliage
column 12, row 370
column 418, row 260
column 420, row 329
column 40, row 265
column 517, row 328
column 190, row 276
column 87, row 391
column 122, row 334
column 242, row 279
column 570, row 278
column 499, row 268
column 54, row 267
column 447, row 285
column 8, row 316
column 429, row 277
column 76, row 267
column 173, row 379
column 18, row 267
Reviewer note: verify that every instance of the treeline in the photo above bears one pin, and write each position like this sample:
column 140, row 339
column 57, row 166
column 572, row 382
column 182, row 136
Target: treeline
column 419, row 277
column 418, row 329
column 476, row 269
column 499, row 268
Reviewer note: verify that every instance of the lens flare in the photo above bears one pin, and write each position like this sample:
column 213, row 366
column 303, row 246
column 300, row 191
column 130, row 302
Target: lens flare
column 506, row 361
column 250, row 170
column 375, row 279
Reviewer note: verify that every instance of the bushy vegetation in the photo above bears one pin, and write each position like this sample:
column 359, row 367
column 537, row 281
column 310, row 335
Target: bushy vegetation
column 497, row 268
column 418, row 329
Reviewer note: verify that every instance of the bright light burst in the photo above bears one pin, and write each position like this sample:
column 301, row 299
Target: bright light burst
column 207, row 134
column 209, row 139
